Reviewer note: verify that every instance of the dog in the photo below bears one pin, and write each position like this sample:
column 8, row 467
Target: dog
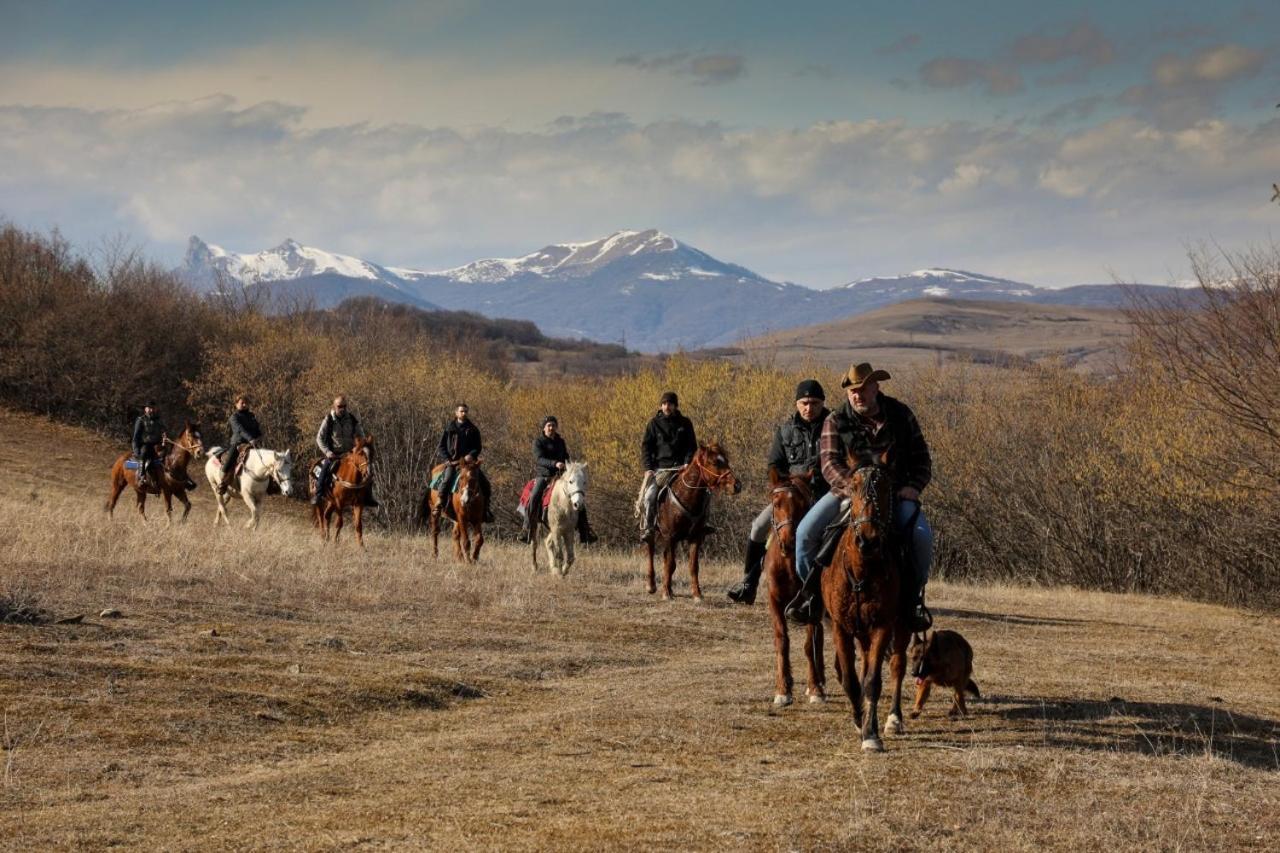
column 946, row 659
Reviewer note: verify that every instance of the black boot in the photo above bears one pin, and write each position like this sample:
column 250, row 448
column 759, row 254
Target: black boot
column 369, row 500
column 586, row 535
column 806, row 608
column 744, row 591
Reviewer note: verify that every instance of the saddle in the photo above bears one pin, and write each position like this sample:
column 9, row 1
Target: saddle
column 527, row 492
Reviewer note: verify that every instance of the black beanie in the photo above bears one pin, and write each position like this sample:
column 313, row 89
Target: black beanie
column 669, row 397
column 549, row 419
column 810, row 388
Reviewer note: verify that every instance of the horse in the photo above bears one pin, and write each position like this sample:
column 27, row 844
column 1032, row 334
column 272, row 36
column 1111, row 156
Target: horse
column 682, row 516
column 261, row 468
column 349, row 485
column 861, row 591
column 792, row 497
column 468, row 504
column 568, row 498
column 171, row 481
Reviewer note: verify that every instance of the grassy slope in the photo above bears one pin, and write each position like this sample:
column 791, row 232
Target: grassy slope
column 381, row 698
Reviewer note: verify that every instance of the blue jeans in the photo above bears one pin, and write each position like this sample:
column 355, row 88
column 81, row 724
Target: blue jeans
column 809, row 534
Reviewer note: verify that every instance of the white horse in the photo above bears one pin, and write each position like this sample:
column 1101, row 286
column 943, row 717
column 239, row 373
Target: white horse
column 260, row 468
column 568, row 498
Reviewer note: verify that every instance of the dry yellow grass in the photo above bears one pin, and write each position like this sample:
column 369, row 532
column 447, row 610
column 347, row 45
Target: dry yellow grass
column 381, row 699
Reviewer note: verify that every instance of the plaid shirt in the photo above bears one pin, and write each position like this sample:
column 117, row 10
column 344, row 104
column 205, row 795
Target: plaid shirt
column 909, row 455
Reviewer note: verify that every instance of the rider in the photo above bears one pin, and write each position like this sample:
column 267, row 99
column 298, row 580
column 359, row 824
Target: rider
column 337, row 435
column 794, row 451
column 550, row 455
column 869, row 423
column 148, row 433
column 245, row 433
column 669, row 443
column 461, row 440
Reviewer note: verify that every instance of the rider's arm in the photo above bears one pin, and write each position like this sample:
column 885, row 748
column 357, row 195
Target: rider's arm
column 324, row 436
column 778, row 454
column 692, row 447
column 917, row 464
column 544, row 463
column 137, row 434
column 831, row 452
column 442, row 451
column 648, row 447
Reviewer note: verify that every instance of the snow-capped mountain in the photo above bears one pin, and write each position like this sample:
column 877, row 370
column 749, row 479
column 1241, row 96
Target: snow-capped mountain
column 641, row 288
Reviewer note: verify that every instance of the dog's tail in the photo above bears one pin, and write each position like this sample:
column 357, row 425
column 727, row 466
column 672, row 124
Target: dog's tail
column 972, row 687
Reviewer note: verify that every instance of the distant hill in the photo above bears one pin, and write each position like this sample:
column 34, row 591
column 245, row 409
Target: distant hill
column 925, row 330
column 642, row 289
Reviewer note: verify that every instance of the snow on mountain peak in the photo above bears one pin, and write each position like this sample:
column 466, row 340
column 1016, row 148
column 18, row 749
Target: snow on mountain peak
column 288, row 260
column 567, row 258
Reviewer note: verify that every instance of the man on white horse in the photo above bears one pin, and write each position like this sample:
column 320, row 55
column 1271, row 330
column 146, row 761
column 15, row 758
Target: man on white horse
column 550, row 456
column 245, row 435
column 337, row 435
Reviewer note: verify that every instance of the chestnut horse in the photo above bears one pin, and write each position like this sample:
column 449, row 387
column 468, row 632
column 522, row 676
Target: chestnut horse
column 792, row 497
column 349, row 486
column 861, row 591
column 468, row 504
column 172, row 480
column 682, row 515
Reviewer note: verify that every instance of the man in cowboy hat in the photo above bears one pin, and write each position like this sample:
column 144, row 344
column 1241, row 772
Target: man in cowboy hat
column 794, row 451
column 148, row 433
column 869, row 423
column 668, row 444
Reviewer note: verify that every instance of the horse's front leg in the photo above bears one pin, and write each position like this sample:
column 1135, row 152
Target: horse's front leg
column 459, row 531
column 435, row 530
column 817, row 689
column 251, row 501
column 653, row 581
column 897, row 671
column 846, row 669
column 871, row 690
column 477, row 542
column 782, row 681
column 337, row 522
column 357, row 516
column 695, row 549
column 668, row 568
column 566, row 552
column 186, row 506
column 168, row 506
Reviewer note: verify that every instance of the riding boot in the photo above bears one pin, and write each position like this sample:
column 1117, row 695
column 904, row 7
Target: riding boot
column 586, row 535
column 744, row 591
column 650, row 522
column 806, row 608
column 321, row 483
column 369, row 500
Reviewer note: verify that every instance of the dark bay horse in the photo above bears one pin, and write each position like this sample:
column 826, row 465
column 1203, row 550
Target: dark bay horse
column 172, row 480
column 468, row 504
column 792, row 497
column 349, row 486
column 682, row 515
column 861, row 591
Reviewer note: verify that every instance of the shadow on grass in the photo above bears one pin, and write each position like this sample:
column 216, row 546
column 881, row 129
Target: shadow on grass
column 1151, row 728
column 1015, row 618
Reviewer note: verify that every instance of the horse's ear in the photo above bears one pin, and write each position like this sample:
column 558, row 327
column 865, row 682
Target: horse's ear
column 884, row 457
column 583, row 464
column 774, row 478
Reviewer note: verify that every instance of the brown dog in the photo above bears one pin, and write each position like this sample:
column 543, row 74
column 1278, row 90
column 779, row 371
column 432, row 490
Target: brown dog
column 945, row 659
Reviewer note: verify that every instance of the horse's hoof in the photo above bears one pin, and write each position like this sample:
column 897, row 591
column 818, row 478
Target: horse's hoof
column 817, row 698
column 697, row 599
column 872, row 744
column 666, row 596
column 893, row 725
column 781, row 700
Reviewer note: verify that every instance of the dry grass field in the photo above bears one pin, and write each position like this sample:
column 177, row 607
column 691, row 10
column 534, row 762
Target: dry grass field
column 266, row 691
column 921, row 331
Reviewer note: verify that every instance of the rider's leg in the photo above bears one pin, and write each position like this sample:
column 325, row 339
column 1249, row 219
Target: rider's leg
column 744, row 591
column 229, row 460
column 143, row 455
column 533, row 510
column 920, row 552
column 322, row 481
column 807, row 605
column 650, row 510
column 585, row 534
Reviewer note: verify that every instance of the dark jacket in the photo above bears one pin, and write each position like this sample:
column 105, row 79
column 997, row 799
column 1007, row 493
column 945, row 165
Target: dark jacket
column 668, row 442
column 458, row 440
column 795, row 450
column 546, row 453
column 338, row 433
column 909, row 461
column 244, row 428
column 147, row 430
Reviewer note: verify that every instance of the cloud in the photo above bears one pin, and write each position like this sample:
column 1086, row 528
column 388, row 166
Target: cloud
column 1077, row 110
column 818, row 204
column 951, row 72
column 1185, row 89
column 705, row 69
column 1082, row 42
column 902, row 45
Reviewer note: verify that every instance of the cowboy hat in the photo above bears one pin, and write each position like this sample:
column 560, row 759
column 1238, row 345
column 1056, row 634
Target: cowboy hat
column 860, row 374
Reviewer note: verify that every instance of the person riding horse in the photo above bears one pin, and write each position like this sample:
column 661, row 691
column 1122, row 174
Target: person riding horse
column 794, row 451
column 149, row 432
column 550, row 456
column 337, row 436
column 669, row 444
column 245, row 435
column 867, row 425
column 461, row 440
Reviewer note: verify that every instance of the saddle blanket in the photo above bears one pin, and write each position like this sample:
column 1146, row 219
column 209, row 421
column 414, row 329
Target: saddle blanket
column 131, row 464
column 527, row 492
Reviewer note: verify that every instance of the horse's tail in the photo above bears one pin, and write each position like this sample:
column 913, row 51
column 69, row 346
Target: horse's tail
column 972, row 688
column 421, row 512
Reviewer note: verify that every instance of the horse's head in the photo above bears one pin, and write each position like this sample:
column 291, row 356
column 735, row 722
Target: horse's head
column 282, row 472
column 713, row 462
column 191, row 440
column 791, row 498
column 364, row 446
column 575, row 483
column 468, row 470
column 871, row 508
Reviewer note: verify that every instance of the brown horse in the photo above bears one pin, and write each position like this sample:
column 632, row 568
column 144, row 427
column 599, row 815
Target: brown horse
column 792, row 497
column 861, row 592
column 349, row 487
column 682, row 516
column 468, row 504
column 172, row 480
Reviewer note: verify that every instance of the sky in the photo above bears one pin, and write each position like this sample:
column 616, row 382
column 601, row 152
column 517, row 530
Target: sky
column 814, row 142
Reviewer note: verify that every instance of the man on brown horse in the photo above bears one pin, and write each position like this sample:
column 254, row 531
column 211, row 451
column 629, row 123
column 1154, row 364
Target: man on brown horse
column 550, row 456
column 148, row 433
column 461, row 440
column 794, row 451
column 867, row 425
column 668, row 444
column 337, row 436
column 245, row 434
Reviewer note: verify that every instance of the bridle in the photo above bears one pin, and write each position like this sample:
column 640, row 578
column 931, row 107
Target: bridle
column 194, row 450
column 712, row 480
column 793, row 487
column 872, row 510
column 362, row 470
